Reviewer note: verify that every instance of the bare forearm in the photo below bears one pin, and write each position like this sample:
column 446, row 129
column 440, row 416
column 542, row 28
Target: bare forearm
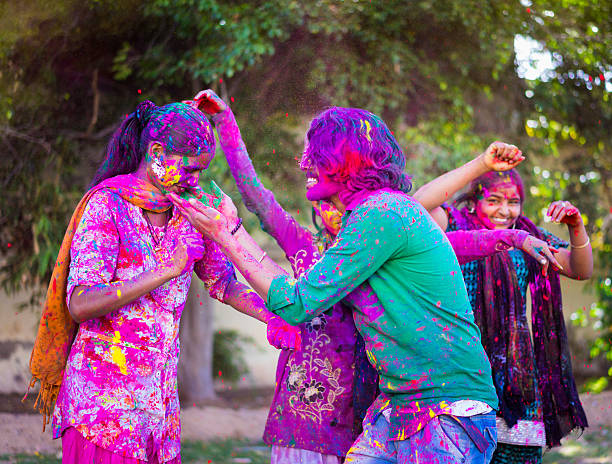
column 442, row 188
column 240, row 163
column 470, row 245
column 580, row 256
column 258, row 276
column 255, row 250
column 89, row 302
column 246, row 301
column 258, row 199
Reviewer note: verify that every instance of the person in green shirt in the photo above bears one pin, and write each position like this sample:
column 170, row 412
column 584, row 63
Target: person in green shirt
column 437, row 398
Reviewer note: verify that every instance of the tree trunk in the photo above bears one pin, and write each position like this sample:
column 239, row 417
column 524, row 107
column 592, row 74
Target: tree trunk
column 196, row 335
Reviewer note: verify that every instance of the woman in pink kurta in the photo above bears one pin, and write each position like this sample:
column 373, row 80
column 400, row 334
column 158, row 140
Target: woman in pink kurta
column 131, row 261
column 120, row 383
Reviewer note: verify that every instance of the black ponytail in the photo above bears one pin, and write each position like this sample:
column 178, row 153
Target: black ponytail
column 125, row 151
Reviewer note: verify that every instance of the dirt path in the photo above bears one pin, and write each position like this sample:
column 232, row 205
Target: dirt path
column 21, row 433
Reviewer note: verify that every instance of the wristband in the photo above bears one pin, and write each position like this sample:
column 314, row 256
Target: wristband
column 238, row 224
column 581, row 246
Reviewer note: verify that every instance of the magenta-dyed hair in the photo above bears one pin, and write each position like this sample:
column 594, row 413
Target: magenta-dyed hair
column 180, row 128
column 356, row 148
column 489, row 180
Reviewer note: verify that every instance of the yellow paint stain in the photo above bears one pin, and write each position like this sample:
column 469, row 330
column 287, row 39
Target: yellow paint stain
column 368, row 128
column 118, row 293
column 217, row 217
column 117, row 354
column 432, row 414
column 171, row 177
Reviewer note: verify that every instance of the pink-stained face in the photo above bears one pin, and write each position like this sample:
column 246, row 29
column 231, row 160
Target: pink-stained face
column 329, row 214
column 177, row 173
column 331, row 217
column 319, row 187
column 499, row 206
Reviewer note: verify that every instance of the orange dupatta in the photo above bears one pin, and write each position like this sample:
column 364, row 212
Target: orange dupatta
column 57, row 329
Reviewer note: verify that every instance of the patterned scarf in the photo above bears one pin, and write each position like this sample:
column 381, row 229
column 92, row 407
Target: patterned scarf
column 498, row 307
column 57, row 329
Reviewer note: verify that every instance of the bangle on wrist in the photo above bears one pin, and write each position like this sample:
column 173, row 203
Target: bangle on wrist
column 235, row 229
column 584, row 245
column 262, row 257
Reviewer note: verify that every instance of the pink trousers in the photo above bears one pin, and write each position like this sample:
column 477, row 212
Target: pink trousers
column 76, row 449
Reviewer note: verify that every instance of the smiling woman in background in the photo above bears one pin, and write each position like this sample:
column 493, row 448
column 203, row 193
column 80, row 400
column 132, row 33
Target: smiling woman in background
column 539, row 403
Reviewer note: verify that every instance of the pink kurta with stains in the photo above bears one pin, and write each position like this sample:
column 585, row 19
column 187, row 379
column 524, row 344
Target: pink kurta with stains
column 120, row 383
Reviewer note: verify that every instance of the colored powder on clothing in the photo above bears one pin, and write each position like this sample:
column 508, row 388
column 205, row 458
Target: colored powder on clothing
column 117, row 353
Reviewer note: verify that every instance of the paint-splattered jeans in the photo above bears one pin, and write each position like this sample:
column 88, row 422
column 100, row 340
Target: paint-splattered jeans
column 442, row 441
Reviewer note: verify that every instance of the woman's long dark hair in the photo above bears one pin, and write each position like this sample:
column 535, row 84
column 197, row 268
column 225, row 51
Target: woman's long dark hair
column 179, row 127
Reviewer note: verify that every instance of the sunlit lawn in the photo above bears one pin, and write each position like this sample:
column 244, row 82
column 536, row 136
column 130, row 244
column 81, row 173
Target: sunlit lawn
column 196, row 452
column 225, row 452
column 592, row 448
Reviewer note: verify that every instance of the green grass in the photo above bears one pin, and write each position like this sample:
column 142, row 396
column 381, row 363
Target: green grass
column 225, row 452
column 29, row 459
column 594, row 447
column 192, row 452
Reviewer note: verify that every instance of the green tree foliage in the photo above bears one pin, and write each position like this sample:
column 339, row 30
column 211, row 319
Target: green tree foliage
column 569, row 119
column 69, row 71
column 228, row 354
column 442, row 73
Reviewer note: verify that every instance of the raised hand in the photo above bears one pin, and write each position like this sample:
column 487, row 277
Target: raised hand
column 563, row 212
column 209, row 102
column 188, row 249
column 282, row 335
column 217, row 199
column 205, row 219
column 500, row 156
column 541, row 251
column 224, row 203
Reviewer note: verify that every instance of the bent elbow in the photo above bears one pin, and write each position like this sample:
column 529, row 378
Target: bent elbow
column 585, row 275
column 77, row 312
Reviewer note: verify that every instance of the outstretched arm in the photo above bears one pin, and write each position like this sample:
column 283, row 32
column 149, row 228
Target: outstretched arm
column 498, row 156
column 215, row 224
column 258, row 200
column 219, row 278
column 470, row 245
column 244, row 299
column 344, row 266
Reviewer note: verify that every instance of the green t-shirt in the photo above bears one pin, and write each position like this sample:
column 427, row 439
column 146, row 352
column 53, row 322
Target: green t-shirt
column 423, row 341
